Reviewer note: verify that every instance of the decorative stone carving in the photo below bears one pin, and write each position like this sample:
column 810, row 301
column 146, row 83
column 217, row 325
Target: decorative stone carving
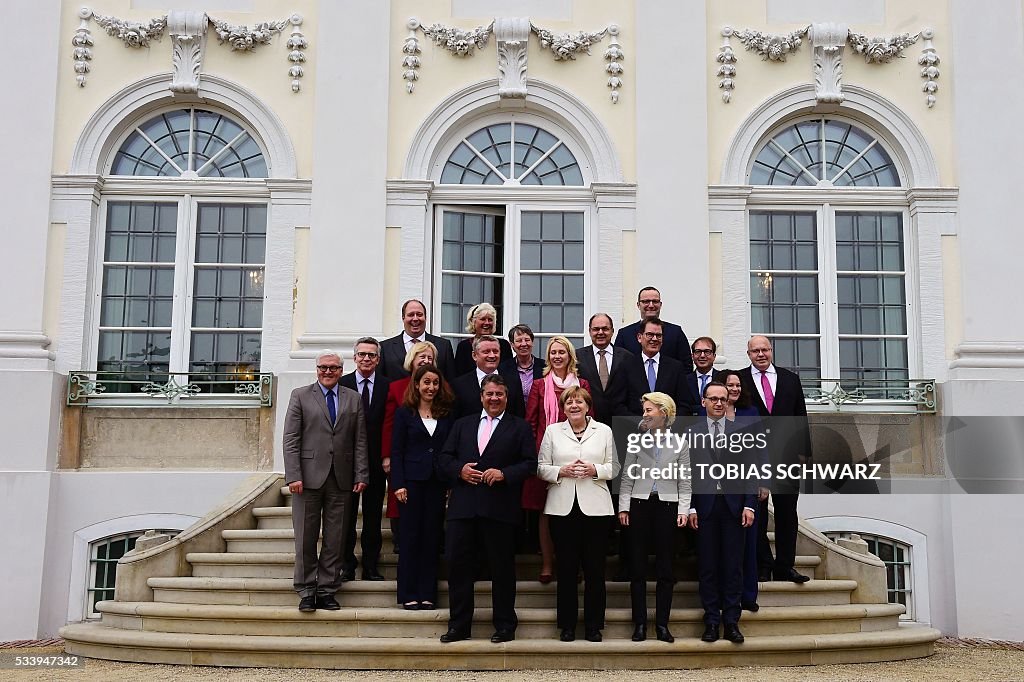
column 188, row 42
column 296, row 44
column 828, row 41
column 131, row 33
column 511, row 35
column 881, row 50
column 245, row 40
column 771, row 47
column 411, row 60
column 567, row 45
column 726, row 59
column 929, row 61
column 457, row 41
column 614, row 56
column 82, row 43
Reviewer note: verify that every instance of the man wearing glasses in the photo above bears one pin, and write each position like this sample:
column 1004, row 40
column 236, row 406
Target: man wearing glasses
column 372, row 388
column 325, row 461
column 675, row 345
column 652, row 370
column 704, row 350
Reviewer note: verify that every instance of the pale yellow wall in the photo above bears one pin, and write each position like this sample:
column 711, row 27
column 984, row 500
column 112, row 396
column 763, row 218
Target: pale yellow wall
column 264, row 71
column 54, row 278
column 442, row 74
column 899, row 81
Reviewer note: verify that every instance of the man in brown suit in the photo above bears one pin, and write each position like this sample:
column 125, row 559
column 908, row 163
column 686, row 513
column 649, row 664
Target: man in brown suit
column 325, row 461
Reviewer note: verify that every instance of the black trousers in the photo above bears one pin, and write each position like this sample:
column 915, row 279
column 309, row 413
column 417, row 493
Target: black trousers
column 785, row 534
column 421, row 521
column 467, row 540
column 580, row 539
column 652, row 526
column 720, row 564
column 373, row 507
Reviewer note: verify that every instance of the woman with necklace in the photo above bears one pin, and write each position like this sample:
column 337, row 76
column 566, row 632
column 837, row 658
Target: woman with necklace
column 577, row 459
column 542, row 410
column 421, row 427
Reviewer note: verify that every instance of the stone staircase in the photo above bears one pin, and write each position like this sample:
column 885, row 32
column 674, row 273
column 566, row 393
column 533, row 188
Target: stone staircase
column 220, row 594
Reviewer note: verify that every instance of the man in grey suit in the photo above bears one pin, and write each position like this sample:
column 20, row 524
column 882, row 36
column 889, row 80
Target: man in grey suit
column 393, row 350
column 325, row 461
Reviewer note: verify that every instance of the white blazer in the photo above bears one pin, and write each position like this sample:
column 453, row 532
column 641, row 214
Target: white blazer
column 560, row 447
column 637, row 479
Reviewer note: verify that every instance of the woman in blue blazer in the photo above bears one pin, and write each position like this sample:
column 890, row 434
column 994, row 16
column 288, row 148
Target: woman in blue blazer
column 421, row 428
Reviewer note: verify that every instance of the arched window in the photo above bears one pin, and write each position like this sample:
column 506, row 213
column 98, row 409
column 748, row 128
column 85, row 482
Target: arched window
column 181, row 282
column 899, row 571
column 103, row 557
column 828, row 265
column 512, row 153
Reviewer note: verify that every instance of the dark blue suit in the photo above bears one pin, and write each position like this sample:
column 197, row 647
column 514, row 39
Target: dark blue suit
column 482, row 518
column 413, row 451
column 675, row 344
column 720, row 534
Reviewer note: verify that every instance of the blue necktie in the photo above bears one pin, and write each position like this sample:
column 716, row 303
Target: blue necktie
column 651, row 379
column 330, row 406
column 703, row 383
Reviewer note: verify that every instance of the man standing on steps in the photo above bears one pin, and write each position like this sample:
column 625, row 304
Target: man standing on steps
column 325, row 461
column 676, row 345
column 778, row 396
column 373, row 391
column 486, row 459
column 393, row 350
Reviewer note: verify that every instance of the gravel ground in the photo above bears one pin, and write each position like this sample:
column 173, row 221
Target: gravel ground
column 952, row 661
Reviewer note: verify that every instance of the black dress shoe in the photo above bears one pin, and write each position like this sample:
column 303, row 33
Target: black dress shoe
column 412, row 606
column 792, row 576
column 639, row 633
column 307, row 604
column 428, row 606
column 620, row 578
column 567, row 635
column 348, row 575
column 593, row 636
column 503, row 636
column 764, row 576
column 751, row 606
column 373, row 575
column 710, row 634
column 453, row 636
column 663, row 634
column 328, row 603
column 733, row 634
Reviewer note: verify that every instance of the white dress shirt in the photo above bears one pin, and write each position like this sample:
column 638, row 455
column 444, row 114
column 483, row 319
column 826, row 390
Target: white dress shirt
column 773, row 379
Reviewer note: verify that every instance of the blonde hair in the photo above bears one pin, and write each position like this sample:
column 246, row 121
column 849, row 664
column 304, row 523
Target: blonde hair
column 663, row 402
column 416, row 349
column 571, row 368
column 476, row 311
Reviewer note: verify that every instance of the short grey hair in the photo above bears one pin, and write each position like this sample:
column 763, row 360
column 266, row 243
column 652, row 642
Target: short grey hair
column 327, row 352
column 366, row 339
column 486, row 337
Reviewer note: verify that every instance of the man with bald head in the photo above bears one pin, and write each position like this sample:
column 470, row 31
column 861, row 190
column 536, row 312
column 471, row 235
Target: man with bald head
column 779, row 397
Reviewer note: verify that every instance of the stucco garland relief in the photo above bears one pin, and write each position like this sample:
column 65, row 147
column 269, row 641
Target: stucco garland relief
column 827, row 41
column 188, row 42
column 511, row 35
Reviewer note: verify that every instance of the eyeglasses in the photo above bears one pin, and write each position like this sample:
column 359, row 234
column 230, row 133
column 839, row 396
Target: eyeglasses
column 366, row 354
column 649, row 301
column 703, row 351
column 327, row 369
column 716, row 400
column 652, row 335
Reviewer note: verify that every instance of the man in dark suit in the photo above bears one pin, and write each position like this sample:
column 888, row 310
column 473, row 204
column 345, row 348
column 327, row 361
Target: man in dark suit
column 393, row 350
column 704, row 350
column 325, row 462
column 778, row 396
column 523, row 366
column 720, row 511
column 486, row 355
column 675, row 346
column 652, row 370
column 372, row 388
column 486, row 459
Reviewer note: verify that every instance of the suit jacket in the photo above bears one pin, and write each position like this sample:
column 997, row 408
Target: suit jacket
column 675, row 344
column 467, row 395
column 560, row 447
column 392, row 357
column 671, row 379
column 693, row 386
column 464, row 355
column 413, row 448
column 737, row 493
column 610, row 401
column 790, row 438
column 375, row 417
column 312, row 445
column 637, row 479
column 509, row 449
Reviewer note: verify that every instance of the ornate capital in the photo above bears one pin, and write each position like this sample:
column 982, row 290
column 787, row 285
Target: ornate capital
column 188, row 42
column 512, row 35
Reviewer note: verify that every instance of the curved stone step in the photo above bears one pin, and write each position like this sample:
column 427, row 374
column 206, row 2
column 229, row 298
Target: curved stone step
column 369, row 653
column 536, row 623
column 530, row 594
column 281, row 517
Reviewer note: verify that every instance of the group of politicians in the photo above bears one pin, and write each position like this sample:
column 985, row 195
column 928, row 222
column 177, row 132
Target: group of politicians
column 471, row 447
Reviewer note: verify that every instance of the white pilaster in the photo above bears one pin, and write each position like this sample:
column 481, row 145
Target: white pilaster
column 672, row 160
column 616, row 213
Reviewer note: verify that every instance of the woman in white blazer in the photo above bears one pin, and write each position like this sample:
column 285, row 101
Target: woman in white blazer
column 577, row 459
column 653, row 506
